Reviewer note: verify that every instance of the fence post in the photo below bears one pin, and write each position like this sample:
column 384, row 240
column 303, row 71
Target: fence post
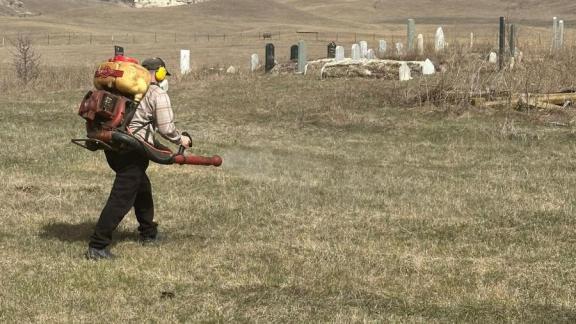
column 48, row 39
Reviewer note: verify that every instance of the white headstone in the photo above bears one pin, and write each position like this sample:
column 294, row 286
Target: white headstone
column 363, row 48
column 554, row 32
column 405, row 73
column 370, row 55
column 254, row 62
column 399, row 48
column 356, row 52
column 382, row 47
column 493, row 58
column 561, row 34
column 184, row 61
column 231, row 70
column 428, row 67
column 339, row 53
column 439, row 42
column 420, row 44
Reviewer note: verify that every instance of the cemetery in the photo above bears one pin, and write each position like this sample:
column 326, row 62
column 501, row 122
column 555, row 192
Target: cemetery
column 369, row 161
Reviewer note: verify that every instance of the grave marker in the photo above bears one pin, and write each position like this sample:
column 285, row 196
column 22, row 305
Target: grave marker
column 420, row 46
column 294, row 53
column 411, row 33
column 356, row 52
column 254, row 62
column 332, row 50
column 184, row 61
column 363, row 49
column 382, row 47
column 302, row 57
column 404, row 72
column 428, row 67
column 270, row 59
column 439, row 42
column 339, row 53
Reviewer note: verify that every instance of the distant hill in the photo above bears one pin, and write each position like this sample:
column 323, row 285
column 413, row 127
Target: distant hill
column 223, row 16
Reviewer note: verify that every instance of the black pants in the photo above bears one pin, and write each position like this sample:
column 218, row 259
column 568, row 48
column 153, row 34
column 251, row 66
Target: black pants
column 131, row 189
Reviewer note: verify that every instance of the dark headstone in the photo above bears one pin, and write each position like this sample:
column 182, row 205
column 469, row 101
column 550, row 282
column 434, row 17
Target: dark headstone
column 294, row 53
column 118, row 51
column 332, row 50
column 270, row 60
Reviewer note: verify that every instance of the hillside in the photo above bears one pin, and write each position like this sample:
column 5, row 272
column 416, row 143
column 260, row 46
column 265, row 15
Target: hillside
column 245, row 15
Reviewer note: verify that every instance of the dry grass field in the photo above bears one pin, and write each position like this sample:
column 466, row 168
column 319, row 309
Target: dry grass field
column 342, row 200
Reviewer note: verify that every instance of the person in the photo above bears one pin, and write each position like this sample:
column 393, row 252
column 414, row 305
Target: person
column 132, row 186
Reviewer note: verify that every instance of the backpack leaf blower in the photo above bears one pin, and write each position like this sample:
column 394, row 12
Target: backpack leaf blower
column 120, row 85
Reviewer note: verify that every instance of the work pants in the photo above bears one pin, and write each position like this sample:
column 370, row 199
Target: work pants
column 131, row 188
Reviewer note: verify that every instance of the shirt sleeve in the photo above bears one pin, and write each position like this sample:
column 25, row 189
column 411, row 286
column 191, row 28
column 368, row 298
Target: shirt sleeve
column 165, row 119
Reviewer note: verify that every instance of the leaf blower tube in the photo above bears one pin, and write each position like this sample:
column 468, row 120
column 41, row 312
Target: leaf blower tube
column 154, row 154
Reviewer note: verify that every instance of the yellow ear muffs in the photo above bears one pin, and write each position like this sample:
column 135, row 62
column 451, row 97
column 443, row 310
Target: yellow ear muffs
column 161, row 74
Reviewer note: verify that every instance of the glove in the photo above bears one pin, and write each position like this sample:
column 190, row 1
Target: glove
column 186, row 141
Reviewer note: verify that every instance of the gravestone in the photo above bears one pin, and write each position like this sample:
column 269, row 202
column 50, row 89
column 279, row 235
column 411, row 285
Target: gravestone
column 428, row 67
column 493, row 58
column 399, row 49
column 270, row 58
column 339, row 53
column 439, row 42
column 254, row 62
column 554, row 33
column 294, row 53
column 184, row 61
column 561, row 34
column 370, row 55
column 332, row 50
column 420, row 46
column 404, row 72
column 363, row 49
column 356, row 52
column 382, row 47
column 411, row 33
column 302, row 57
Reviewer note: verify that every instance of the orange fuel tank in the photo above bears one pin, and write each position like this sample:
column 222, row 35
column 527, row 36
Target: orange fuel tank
column 123, row 75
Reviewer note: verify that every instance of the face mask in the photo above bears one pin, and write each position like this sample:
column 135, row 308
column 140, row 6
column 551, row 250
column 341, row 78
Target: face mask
column 163, row 85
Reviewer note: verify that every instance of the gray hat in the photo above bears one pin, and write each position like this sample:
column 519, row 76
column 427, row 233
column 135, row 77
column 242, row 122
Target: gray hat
column 153, row 64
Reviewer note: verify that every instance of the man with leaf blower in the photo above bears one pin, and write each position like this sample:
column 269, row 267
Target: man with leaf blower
column 127, row 107
column 132, row 187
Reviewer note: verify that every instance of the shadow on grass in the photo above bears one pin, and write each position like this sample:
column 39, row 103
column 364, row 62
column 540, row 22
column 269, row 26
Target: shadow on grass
column 80, row 232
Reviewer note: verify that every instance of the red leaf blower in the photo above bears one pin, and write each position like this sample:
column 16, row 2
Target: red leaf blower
column 107, row 116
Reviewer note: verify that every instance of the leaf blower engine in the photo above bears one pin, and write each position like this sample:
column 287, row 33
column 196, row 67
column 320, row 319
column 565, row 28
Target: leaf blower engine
column 120, row 85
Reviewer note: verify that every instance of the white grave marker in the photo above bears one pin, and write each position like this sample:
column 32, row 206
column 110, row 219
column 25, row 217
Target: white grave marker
column 370, row 55
column 184, row 61
column 420, row 44
column 254, row 62
column 356, row 52
column 439, row 42
column 363, row 48
column 405, row 73
column 428, row 67
column 382, row 47
column 339, row 53
column 493, row 58
column 399, row 48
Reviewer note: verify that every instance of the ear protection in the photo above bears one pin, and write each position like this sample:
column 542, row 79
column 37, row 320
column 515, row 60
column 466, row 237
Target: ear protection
column 160, row 74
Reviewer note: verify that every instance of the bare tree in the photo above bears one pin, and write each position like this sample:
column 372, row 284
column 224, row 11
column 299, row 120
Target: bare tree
column 25, row 59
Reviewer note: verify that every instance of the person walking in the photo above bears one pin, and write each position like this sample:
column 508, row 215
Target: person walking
column 132, row 187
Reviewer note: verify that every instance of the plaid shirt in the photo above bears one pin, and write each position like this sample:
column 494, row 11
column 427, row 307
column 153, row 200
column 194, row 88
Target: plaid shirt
column 155, row 112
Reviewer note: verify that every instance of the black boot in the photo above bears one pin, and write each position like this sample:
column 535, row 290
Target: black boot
column 99, row 254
